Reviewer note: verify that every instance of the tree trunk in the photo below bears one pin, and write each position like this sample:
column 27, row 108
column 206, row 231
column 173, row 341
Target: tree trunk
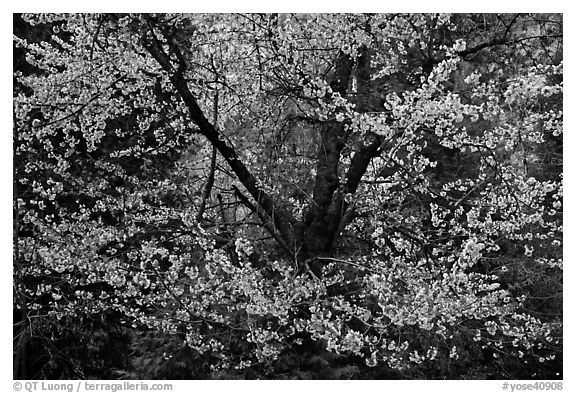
column 316, row 235
column 327, row 216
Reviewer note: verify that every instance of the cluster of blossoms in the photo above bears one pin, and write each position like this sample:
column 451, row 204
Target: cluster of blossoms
column 211, row 294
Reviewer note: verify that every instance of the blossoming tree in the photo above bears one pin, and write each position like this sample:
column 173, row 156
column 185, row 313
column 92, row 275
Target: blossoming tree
column 385, row 189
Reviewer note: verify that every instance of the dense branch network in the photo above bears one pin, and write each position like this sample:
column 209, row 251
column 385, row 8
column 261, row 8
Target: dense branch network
column 265, row 187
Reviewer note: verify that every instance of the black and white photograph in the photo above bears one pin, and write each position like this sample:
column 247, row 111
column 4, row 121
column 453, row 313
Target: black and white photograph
column 287, row 196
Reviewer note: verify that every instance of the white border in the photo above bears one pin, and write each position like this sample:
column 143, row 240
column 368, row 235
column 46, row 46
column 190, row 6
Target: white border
column 293, row 6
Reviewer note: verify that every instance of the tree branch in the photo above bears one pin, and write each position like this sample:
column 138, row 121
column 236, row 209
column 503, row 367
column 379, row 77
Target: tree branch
column 281, row 218
column 494, row 42
column 210, row 180
column 265, row 220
